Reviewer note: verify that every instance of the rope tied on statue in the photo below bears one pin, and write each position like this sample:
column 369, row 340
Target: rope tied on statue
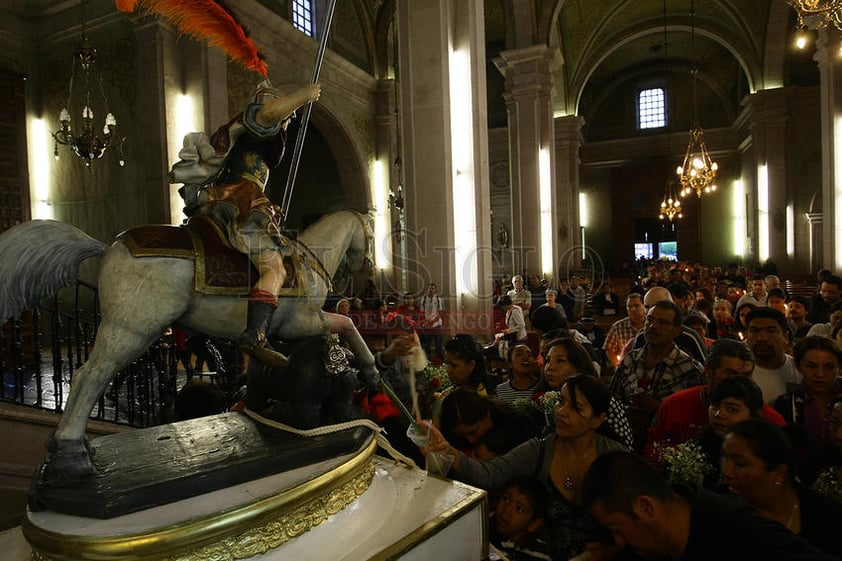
column 379, row 432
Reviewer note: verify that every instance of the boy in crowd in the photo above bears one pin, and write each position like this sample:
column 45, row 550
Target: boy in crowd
column 518, row 520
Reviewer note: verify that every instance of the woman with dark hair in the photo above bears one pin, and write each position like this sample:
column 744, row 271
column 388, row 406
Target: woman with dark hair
column 524, row 377
column 565, row 357
column 723, row 319
column 465, row 362
column 559, row 460
column 809, row 405
column 818, row 360
column 740, row 328
column 759, row 464
column 704, row 293
column 466, row 417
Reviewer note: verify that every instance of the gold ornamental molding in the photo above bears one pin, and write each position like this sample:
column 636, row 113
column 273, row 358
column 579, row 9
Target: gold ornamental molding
column 239, row 533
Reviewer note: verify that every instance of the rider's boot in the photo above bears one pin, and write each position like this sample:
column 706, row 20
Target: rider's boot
column 253, row 340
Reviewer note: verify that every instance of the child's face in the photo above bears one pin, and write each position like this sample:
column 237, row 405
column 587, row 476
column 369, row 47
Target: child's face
column 721, row 312
column 514, row 516
column 522, row 360
column 727, row 413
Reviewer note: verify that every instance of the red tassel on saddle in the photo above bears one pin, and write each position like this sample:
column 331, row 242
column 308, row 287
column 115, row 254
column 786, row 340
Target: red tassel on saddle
column 205, row 20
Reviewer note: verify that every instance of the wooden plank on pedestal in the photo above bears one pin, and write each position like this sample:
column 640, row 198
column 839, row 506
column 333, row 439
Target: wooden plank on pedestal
column 159, row 465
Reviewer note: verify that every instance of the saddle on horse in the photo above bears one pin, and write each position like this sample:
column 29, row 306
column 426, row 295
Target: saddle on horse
column 220, row 268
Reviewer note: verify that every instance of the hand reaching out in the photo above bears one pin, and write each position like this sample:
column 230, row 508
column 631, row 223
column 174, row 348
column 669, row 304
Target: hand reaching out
column 437, row 443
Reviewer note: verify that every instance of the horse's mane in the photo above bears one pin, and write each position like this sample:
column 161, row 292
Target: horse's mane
column 37, row 259
column 366, row 219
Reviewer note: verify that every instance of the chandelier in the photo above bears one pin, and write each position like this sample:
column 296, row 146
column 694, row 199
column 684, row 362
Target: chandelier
column 671, row 205
column 698, row 171
column 818, row 13
column 87, row 144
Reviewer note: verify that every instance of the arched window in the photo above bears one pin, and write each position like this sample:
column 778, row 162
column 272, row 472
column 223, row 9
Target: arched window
column 651, row 108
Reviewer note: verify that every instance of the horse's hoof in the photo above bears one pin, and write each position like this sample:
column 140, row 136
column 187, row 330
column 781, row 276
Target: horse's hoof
column 68, row 460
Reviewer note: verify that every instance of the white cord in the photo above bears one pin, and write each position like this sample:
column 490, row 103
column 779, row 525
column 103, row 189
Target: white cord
column 382, row 441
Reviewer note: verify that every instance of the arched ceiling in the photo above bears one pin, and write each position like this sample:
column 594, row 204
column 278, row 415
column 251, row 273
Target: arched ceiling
column 605, row 42
column 740, row 45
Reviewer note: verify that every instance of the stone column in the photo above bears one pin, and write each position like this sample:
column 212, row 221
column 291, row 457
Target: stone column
column 830, row 86
column 529, row 101
column 385, row 152
column 769, row 109
column 568, row 141
column 152, row 110
column 442, row 54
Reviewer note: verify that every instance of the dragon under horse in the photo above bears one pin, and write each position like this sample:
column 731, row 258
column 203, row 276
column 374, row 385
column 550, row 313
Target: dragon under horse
column 140, row 296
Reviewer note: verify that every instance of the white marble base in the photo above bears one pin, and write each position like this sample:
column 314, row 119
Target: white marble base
column 404, row 514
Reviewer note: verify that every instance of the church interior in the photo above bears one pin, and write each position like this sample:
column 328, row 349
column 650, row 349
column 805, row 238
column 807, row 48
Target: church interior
column 486, row 137
column 544, row 98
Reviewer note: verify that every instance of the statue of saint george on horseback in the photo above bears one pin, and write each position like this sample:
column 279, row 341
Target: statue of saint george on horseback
column 225, row 176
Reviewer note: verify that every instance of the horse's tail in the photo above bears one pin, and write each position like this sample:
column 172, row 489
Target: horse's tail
column 37, row 259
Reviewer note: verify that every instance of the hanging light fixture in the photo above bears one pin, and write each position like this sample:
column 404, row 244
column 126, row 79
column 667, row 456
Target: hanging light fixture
column 88, row 144
column 670, row 205
column 698, row 172
column 818, row 14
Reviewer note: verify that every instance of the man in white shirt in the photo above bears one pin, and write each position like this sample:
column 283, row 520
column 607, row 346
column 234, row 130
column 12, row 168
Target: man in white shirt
column 520, row 296
column 433, row 307
column 774, row 370
column 758, row 294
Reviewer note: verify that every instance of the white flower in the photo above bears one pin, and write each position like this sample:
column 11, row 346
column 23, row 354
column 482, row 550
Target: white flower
column 548, row 401
column 524, row 403
column 686, row 463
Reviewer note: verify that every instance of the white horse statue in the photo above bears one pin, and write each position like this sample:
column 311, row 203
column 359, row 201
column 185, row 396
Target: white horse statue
column 141, row 296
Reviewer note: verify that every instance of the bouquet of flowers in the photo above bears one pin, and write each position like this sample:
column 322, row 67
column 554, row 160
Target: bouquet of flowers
column 547, row 403
column 437, row 376
column 686, row 463
column 524, row 404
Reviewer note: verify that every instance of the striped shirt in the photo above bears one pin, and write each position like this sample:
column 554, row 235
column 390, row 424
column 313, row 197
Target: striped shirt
column 509, row 394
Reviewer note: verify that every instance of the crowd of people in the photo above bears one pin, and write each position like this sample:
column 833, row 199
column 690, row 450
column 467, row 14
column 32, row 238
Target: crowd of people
column 706, row 422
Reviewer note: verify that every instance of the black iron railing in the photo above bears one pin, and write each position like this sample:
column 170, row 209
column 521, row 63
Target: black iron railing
column 42, row 350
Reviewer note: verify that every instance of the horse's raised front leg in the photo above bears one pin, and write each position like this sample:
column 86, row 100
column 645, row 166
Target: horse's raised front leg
column 347, row 331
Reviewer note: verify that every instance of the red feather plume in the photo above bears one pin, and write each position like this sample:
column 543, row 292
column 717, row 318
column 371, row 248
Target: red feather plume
column 205, row 20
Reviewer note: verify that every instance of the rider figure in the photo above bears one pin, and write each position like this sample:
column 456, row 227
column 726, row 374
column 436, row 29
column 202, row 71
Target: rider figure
column 232, row 168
